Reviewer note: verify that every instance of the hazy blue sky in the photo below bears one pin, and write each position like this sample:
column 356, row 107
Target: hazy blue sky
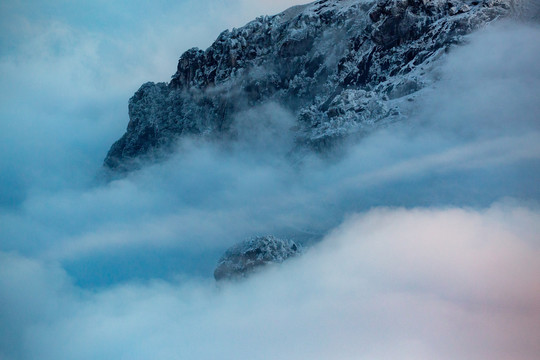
column 429, row 230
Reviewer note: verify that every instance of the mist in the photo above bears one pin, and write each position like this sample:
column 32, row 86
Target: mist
column 416, row 284
column 422, row 237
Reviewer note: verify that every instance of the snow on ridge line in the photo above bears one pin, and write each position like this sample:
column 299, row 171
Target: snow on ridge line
column 338, row 67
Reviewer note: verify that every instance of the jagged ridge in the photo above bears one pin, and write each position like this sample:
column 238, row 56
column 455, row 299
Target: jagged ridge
column 338, row 66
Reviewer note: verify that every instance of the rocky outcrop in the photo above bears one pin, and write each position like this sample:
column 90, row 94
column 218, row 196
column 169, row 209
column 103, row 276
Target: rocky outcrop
column 340, row 67
column 248, row 256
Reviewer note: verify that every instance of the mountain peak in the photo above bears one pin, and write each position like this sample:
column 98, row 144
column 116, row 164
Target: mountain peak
column 341, row 67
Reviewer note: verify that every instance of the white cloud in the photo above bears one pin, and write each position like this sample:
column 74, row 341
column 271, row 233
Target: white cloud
column 416, row 284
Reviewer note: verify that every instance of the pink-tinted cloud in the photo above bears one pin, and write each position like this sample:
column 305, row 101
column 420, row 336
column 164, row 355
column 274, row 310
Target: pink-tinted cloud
column 390, row 283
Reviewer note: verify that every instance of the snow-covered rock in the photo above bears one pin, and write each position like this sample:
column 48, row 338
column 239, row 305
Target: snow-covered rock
column 340, row 67
column 245, row 257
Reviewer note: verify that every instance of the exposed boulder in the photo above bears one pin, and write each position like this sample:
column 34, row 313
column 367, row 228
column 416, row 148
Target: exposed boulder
column 250, row 255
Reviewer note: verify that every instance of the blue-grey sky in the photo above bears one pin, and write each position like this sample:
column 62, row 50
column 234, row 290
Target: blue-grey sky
column 428, row 230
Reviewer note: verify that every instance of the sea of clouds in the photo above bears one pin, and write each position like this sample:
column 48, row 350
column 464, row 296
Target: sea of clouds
column 423, row 238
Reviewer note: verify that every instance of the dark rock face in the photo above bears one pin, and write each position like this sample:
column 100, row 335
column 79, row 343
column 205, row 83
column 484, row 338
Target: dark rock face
column 244, row 258
column 340, row 66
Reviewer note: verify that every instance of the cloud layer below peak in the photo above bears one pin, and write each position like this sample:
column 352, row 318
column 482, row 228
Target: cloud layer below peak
column 413, row 284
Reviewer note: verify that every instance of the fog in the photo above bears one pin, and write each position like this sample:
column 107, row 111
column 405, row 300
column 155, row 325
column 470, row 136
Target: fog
column 422, row 238
column 416, row 284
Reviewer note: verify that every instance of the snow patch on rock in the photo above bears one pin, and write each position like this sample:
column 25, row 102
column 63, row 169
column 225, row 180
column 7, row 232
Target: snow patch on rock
column 341, row 67
column 244, row 258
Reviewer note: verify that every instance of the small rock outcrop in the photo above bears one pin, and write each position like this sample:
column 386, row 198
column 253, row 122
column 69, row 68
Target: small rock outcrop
column 340, row 67
column 246, row 257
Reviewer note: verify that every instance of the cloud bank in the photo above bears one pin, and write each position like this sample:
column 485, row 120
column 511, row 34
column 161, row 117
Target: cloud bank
column 411, row 284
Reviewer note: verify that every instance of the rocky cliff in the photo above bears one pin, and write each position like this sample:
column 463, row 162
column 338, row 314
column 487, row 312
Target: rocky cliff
column 341, row 67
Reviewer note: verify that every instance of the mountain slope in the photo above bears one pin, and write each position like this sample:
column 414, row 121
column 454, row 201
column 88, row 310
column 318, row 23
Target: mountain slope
column 341, row 67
